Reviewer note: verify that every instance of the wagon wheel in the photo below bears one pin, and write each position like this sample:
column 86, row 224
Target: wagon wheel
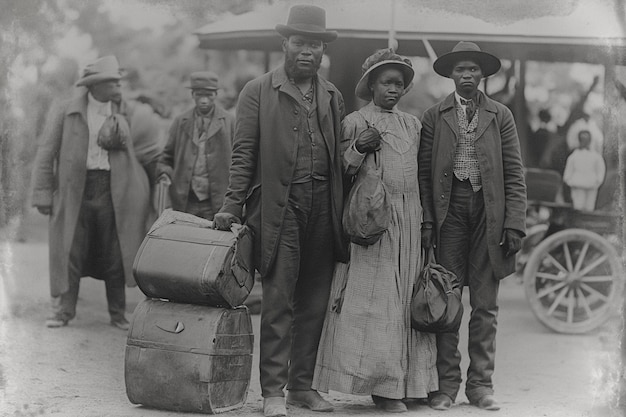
column 574, row 281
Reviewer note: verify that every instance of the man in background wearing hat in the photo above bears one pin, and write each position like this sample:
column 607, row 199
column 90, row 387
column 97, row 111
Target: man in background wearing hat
column 474, row 200
column 286, row 169
column 91, row 177
column 197, row 154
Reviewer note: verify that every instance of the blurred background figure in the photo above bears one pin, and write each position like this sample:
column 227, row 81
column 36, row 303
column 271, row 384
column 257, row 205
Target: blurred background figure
column 91, row 178
column 541, row 141
column 584, row 173
column 196, row 157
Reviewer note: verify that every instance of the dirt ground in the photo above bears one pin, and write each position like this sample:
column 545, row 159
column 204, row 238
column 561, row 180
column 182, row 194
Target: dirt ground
column 78, row 370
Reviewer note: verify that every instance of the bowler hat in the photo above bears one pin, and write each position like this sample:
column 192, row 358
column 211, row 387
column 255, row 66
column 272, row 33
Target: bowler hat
column 307, row 20
column 203, row 80
column 378, row 59
column 469, row 51
column 103, row 69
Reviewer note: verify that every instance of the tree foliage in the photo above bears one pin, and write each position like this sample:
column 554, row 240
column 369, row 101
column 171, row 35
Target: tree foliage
column 157, row 64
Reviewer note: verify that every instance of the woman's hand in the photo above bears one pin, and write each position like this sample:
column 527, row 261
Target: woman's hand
column 368, row 141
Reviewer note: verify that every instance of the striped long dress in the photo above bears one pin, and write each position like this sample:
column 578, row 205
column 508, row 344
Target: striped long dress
column 367, row 345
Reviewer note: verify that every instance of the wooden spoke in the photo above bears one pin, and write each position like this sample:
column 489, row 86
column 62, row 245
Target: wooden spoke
column 546, row 275
column 568, row 257
column 550, row 290
column 593, row 291
column 557, row 301
column 594, row 264
column 556, row 263
column 583, row 301
column 597, row 278
column 581, row 257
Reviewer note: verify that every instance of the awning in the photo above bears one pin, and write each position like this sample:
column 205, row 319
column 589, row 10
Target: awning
column 589, row 31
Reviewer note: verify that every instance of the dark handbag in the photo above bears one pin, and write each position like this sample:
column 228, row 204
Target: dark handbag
column 367, row 212
column 114, row 133
column 436, row 305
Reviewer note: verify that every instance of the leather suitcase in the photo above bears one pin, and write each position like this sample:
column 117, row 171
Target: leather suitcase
column 197, row 265
column 188, row 358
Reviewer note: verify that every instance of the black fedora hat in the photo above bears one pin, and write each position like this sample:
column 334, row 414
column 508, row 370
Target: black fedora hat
column 307, row 20
column 463, row 51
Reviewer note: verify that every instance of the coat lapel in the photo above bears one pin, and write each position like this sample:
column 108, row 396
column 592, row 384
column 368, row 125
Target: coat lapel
column 79, row 106
column 77, row 113
column 324, row 98
column 216, row 123
column 447, row 109
column 486, row 113
column 187, row 128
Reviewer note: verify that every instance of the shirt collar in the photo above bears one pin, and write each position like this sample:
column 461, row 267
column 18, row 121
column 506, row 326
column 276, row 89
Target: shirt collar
column 458, row 98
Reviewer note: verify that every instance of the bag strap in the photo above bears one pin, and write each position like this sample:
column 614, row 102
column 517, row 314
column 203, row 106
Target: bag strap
column 431, row 255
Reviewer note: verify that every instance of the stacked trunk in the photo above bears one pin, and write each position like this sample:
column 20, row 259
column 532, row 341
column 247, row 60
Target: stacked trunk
column 189, row 347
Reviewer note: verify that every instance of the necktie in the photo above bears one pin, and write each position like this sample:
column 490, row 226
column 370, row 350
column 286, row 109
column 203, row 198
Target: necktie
column 470, row 109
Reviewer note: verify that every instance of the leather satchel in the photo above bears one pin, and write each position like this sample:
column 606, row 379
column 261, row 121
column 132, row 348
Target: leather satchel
column 367, row 212
column 114, row 133
column 436, row 305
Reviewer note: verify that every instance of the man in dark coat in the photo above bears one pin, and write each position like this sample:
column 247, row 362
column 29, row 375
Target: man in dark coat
column 474, row 199
column 286, row 169
column 91, row 178
column 197, row 154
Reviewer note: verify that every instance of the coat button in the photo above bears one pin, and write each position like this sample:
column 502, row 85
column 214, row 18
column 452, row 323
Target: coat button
column 442, row 196
column 445, row 174
column 295, row 112
column 295, row 129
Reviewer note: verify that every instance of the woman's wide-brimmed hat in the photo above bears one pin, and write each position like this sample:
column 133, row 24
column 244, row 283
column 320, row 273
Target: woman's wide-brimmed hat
column 466, row 51
column 383, row 57
column 103, row 69
column 307, row 20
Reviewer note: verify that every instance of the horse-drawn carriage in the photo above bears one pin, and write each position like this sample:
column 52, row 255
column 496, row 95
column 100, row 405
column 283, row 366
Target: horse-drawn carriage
column 571, row 259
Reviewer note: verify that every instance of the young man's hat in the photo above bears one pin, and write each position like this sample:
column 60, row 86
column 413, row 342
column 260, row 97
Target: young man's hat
column 203, row 80
column 466, row 51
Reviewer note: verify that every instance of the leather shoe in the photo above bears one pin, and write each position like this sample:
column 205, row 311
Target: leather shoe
column 274, row 407
column 121, row 324
column 54, row 322
column 310, row 399
column 487, row 402
column 390, row 405
column 440, row 402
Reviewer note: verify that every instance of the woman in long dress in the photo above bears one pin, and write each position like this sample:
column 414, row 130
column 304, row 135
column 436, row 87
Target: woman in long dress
column 368, row 346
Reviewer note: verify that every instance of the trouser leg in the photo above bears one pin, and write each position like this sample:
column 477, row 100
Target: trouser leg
column 591, row 196
column 483, row 289
column 453, row 251
column 277, row 304
column 578, row 198
column 64, row 306
column 295, row 294
column 312, row 289
column 105, row 248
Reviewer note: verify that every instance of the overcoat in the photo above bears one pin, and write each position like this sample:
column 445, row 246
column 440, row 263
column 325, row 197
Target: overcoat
column 499, row 159
column 264, row 159
column 180, row 153
column 59, row 180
